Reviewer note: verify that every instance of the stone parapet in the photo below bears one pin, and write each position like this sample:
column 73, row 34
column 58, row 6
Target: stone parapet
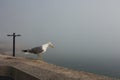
column 26, row 69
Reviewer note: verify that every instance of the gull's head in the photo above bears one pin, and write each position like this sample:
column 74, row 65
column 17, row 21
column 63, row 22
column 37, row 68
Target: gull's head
column 51, row 45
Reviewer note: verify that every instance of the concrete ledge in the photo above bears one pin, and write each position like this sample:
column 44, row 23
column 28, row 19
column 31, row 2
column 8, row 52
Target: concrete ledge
column 5, row 71
column 15, row 74
column 26, row 69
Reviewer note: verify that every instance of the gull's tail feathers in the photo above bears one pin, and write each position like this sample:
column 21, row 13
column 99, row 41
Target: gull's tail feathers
column 24, row 50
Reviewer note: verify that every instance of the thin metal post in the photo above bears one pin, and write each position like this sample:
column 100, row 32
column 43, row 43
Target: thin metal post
column 14, row 42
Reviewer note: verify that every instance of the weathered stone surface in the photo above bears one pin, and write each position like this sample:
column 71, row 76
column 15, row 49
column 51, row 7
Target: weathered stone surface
column 26, row 69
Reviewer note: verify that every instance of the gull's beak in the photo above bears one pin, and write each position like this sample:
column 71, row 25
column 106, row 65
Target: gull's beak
column 52, row 46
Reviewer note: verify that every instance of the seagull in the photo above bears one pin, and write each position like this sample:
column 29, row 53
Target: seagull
column 39, row 50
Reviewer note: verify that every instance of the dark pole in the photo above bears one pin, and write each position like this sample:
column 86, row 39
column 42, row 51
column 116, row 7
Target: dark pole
column 14, row 42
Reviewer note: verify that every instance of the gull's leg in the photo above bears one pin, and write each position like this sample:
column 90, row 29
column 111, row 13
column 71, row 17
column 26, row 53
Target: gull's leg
column 40, row 56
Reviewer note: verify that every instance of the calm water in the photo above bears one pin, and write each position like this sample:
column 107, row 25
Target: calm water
column 103, row 66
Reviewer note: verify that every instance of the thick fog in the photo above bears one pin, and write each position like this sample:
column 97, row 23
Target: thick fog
column 83, row 31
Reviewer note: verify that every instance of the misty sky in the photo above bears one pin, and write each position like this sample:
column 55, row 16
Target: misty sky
column 86, row 33
column 89, row 27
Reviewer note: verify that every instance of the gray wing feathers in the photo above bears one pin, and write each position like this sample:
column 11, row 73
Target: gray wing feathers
column 36, row 50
